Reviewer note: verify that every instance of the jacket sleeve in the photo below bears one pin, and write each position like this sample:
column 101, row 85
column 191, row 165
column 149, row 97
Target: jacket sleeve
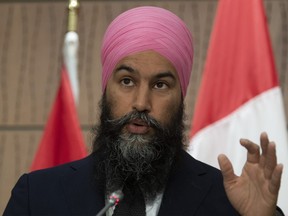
column 19, row 201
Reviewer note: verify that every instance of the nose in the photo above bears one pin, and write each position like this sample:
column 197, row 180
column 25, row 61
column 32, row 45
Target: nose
column 142, row 99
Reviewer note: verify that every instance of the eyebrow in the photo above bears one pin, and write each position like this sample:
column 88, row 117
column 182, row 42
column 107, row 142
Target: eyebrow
column 166, row 74
column 125, row 67
column 158, row 76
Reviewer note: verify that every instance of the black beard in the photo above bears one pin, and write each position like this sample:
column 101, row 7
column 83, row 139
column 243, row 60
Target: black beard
column 133, row 159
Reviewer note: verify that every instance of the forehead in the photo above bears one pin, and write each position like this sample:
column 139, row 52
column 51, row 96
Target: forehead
column 147, row 62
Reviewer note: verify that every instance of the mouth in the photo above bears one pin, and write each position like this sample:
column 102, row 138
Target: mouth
column 138, row 126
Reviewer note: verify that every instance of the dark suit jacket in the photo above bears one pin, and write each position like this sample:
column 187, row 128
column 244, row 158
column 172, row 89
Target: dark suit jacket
column 194, row 188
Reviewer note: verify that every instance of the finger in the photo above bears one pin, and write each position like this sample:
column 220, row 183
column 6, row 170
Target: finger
column 270, row 160
column 253, row 150
column 226, row 168
column 276, row 179
column 264, row 142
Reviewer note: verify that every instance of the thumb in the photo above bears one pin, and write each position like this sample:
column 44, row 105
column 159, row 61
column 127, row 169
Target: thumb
column 226, row 168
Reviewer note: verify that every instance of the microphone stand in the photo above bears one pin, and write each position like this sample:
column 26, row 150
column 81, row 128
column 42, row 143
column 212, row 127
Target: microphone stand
column 114, row 199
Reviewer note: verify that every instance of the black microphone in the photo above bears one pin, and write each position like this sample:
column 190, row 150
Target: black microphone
column 114, row 199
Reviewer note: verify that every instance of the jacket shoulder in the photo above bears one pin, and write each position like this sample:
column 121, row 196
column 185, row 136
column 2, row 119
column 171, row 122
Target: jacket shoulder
column 67, row 167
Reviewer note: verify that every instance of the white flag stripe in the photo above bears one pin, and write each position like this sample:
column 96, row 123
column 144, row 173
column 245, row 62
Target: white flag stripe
column 262, row 113
column 70, row 53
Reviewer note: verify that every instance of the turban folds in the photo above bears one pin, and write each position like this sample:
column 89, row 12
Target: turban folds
column 148, row 28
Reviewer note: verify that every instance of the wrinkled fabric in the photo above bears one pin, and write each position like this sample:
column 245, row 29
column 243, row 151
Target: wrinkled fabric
column 148, row 28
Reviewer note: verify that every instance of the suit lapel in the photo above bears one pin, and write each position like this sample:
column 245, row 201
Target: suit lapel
column 187, row 187
column 83, row 193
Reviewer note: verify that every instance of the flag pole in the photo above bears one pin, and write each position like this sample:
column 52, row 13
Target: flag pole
column 70, row 49
column 73, row 9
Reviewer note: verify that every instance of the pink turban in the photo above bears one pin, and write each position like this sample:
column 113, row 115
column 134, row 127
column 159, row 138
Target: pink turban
column 148, row 28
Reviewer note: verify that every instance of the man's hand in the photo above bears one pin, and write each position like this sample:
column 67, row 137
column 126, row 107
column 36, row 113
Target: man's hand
column 255, row 192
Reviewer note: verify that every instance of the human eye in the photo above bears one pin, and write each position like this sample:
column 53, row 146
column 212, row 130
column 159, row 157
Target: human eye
column 127, row 82
column 161, row 85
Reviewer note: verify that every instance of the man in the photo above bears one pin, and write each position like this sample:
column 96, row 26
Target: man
column 147, row 58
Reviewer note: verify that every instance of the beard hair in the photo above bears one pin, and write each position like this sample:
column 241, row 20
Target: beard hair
column 134, row 159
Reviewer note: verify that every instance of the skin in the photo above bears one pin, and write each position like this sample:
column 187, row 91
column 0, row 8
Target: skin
column 148, row 82
column 145, row 82
column 255, row 191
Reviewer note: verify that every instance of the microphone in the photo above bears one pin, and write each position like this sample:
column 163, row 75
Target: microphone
column 113, row 200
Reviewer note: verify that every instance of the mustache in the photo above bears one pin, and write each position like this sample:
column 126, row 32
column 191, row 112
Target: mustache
column 119, row 123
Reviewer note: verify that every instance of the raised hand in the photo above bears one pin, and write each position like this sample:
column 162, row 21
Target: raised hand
column 255, row 192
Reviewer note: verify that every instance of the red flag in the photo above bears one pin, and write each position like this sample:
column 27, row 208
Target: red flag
column 239, row 95
column 62, row 140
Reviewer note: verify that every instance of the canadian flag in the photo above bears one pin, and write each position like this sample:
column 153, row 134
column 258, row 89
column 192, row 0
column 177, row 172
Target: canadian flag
column 239, row 96
column 62, row 140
